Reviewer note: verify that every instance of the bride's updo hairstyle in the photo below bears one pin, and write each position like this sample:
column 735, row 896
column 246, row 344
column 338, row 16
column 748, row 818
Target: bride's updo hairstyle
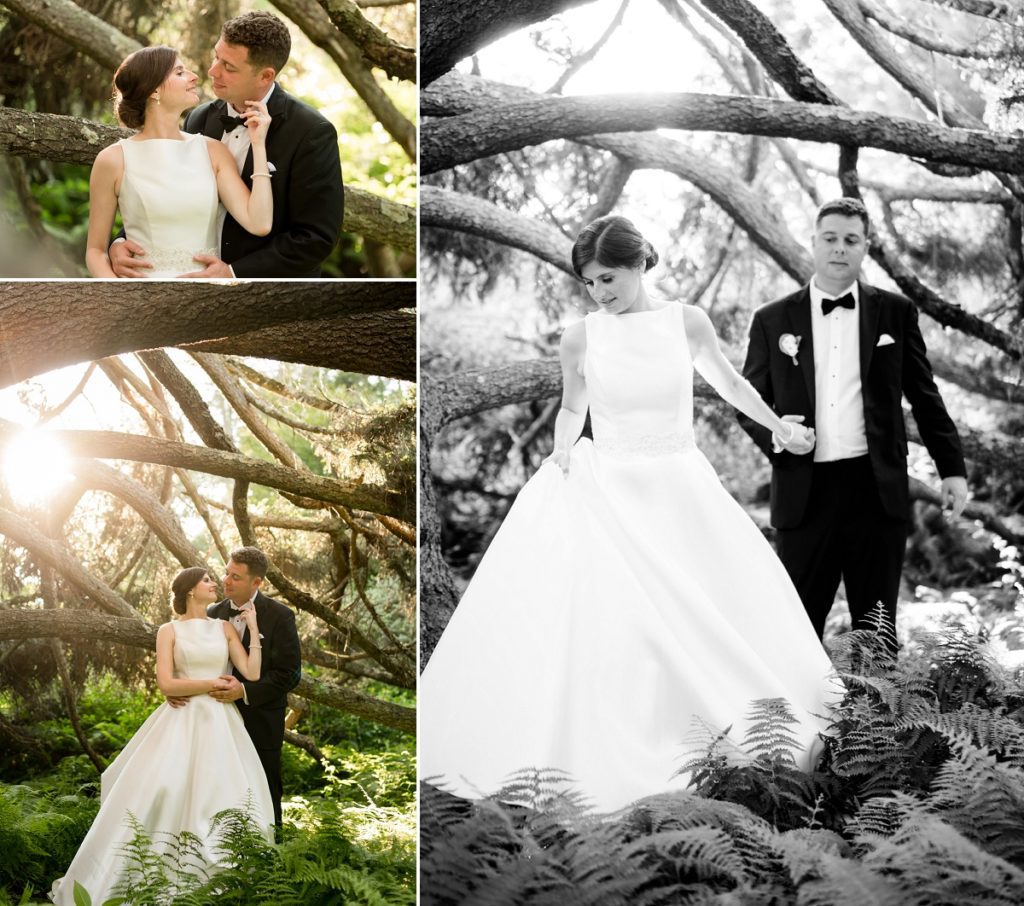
column 137, row 78
column 612, row 241
column 183, row 583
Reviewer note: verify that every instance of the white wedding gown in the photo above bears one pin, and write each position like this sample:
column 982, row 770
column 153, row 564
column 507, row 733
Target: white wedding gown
column 616, row 605
column 169, row 203
column 182, row 767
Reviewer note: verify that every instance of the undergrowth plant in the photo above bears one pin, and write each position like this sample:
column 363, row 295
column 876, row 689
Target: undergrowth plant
column 917, row 800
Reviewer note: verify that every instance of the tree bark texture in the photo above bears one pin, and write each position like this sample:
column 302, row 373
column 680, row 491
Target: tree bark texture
column 50, row 325
column 381, row 343
column 458, row 140
column 397, row 60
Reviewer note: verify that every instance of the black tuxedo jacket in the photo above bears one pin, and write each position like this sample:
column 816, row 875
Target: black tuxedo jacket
column 279, row 671
column 306, row 185
column 888, row 373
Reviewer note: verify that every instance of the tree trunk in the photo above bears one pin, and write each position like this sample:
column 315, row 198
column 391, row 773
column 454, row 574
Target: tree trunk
column 50, row 325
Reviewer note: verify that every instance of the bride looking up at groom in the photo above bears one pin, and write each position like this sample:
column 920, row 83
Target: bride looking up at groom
column 167, row 183
column 285, row 152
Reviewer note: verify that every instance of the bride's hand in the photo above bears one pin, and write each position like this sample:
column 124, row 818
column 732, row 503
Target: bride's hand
column 561, row 459
column 249, row 615
column 257, row 120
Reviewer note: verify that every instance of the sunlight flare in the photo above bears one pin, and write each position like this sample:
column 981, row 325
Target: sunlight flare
column 35, row 467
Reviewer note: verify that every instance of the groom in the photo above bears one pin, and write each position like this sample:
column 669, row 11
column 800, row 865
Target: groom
column 302, row 148
column 262, row 702
column 839, row 356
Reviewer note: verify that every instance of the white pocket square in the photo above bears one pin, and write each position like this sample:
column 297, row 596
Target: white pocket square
column 271, row 168
column 885, row 340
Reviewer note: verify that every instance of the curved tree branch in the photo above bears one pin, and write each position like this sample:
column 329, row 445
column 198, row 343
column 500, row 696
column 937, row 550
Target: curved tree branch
column 397, row 60
column 87, row 33
column 382, row 343
column 85, row 321
column 348, row 56
column 26, row 535
column 462, row 139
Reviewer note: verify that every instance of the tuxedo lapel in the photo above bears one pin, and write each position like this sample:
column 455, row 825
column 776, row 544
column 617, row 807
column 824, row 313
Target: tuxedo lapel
column 870, row 310
column 799, row 312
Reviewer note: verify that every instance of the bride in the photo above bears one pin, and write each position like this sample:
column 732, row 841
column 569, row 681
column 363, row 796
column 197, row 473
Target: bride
column 626, row 593
column 168, row 184
column 184, row 765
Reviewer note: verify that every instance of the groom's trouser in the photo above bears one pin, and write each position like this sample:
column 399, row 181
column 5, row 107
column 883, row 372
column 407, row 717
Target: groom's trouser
column 271, row 761
column 845, row 534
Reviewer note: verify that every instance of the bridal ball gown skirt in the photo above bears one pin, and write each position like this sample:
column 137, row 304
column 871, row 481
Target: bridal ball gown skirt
column 182, row 767
column 615, row 606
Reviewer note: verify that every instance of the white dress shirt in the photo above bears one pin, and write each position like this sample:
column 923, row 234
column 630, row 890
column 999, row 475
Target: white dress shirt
column 839, row 402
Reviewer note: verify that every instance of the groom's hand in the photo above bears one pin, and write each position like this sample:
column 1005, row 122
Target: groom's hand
column 229, row 690
column 177, row 701
column 954, row 494
column 126, row 259
column 214, row 269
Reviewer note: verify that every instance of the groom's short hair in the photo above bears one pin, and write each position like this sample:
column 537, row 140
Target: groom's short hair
column 252, row 558
column 846, row 207
column 265, row 36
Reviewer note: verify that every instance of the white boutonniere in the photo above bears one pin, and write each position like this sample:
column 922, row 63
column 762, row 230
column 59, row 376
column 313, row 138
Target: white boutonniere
column 790, row 345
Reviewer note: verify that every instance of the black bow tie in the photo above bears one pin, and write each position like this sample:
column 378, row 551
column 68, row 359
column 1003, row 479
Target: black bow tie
column 830, row 305
column 231, row 122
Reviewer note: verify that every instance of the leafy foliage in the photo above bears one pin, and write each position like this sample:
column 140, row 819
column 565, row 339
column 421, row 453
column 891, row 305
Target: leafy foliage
column 917, row 798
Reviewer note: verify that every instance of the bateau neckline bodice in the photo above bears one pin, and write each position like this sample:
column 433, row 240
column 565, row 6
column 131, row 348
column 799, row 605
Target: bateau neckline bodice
column 628, row 314
column 185, row 137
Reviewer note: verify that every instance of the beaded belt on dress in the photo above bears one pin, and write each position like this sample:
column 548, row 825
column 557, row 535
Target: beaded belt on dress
column 641, row 446
column 177, row 261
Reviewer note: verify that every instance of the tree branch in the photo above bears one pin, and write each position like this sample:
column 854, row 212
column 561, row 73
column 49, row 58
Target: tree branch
column 482, row 133
column 137, row 448
column 87, row 33
column 50, row 325
column 348, row 56
column 79, row 624
column 397, row 60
